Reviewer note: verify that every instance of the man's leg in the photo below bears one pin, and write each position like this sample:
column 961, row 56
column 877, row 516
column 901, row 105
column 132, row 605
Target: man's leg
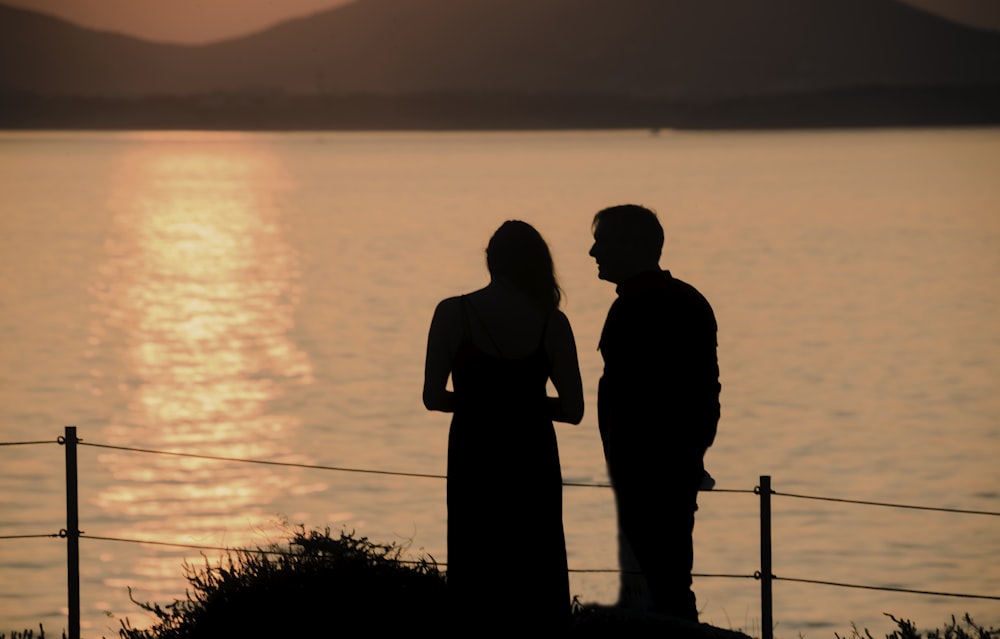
column 633, row 593
column 669, row 572
column 660, row 536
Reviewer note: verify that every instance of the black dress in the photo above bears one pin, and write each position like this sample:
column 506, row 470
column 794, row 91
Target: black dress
column 506, row 547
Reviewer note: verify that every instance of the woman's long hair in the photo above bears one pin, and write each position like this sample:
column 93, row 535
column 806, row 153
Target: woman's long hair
column 517, row 252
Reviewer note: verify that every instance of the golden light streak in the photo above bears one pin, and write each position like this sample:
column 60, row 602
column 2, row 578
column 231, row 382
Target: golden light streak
column 201, row 288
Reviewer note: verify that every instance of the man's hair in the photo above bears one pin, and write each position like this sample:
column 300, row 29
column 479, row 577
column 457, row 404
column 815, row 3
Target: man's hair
column 635, row 225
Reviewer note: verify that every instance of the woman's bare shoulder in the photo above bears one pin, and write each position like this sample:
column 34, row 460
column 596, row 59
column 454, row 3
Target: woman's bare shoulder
column 559, row 332
column 449, row 303
column 558, row 319
column 448, row 311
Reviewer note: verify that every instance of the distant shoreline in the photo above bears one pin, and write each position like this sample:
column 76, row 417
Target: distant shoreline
column 274, row 111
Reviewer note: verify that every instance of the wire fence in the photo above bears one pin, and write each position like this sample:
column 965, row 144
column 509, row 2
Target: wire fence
column 763, row 491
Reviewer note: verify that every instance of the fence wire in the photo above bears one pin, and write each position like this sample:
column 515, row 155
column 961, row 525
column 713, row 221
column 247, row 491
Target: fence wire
column 756, row 490
column 51, row 441
column 285, row 553
column 886, row 588
column 888, row 505
column 265, row 462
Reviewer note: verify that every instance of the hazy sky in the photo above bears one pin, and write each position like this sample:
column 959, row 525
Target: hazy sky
column 194, row 21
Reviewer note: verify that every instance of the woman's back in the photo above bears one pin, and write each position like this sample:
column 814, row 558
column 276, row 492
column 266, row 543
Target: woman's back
column 502, row 322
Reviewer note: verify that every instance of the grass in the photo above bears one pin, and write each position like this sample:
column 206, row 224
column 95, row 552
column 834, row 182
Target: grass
column 965, row 629
column 28, row 634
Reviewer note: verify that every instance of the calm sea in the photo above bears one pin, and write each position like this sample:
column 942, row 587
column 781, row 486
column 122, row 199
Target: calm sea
column 267, row 296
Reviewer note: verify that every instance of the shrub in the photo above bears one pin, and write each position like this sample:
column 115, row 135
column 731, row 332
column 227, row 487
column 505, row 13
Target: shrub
column 316, row 585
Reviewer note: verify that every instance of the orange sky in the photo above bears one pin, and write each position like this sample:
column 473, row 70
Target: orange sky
column 196, row 21
column 189, row 21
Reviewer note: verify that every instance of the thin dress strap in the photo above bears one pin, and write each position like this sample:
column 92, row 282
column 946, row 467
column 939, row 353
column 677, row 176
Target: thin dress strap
column 480, row 320
column 466, row 331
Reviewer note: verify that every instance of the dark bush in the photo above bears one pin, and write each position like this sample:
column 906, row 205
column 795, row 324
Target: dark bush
column 316, row 586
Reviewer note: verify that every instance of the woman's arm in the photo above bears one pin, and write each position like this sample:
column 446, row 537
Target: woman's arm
column 561, row 347
column 442, row 342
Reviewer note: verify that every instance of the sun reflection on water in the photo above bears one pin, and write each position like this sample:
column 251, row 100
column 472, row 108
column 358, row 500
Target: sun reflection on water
column 200, row 290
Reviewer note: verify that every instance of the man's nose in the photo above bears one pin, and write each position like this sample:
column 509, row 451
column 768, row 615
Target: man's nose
column 592, row 249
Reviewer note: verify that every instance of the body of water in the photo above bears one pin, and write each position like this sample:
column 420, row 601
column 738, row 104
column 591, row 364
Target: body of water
column 267, row 296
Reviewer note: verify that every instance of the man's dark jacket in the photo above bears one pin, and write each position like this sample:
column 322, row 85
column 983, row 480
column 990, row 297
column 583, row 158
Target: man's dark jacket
column 658, row 401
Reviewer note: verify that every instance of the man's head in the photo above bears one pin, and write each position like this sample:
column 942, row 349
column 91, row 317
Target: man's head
column 628, row 240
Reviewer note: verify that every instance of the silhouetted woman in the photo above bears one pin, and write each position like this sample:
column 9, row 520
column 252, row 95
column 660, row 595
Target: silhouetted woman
column 501, row 345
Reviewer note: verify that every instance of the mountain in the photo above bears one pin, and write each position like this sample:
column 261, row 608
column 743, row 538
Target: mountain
column 516, row 64
column 661, row 48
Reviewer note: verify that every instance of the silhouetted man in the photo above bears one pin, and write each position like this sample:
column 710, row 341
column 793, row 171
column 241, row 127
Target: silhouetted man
column 657, row 404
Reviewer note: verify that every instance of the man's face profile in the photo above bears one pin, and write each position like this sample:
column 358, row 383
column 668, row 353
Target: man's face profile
column 610, row 253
